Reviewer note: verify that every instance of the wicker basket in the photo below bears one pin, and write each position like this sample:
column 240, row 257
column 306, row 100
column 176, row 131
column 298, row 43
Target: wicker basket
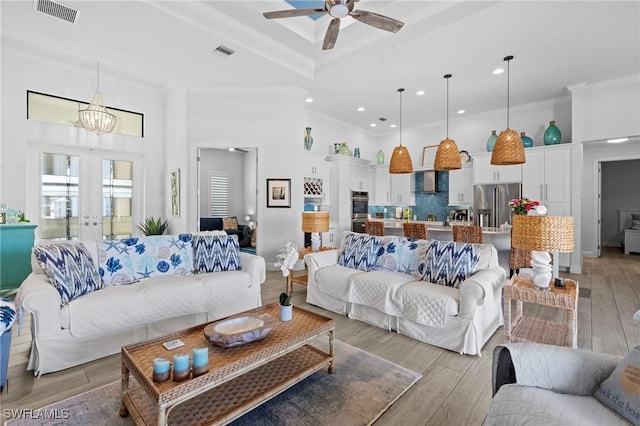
column 508, row 149
column 543, row 233
column 447, row 156
column 400, row 161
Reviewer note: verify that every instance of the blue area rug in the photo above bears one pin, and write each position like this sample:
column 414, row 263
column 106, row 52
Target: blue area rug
column 363, row 387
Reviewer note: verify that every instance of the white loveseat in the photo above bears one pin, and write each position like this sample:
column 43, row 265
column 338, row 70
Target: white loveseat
column 394, row 295
column 99, row 323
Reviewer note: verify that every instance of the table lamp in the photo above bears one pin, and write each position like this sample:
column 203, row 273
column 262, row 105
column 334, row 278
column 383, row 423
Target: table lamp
column 541, row 235
column 315, row 222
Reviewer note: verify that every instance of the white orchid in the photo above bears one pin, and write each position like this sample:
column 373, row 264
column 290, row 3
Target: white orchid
column 287, row 258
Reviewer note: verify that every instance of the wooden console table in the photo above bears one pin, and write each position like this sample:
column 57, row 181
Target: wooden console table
column 519, row 328
column 302, row 278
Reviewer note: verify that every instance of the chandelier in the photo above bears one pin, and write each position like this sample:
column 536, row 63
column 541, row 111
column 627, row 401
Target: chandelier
column 95, row 117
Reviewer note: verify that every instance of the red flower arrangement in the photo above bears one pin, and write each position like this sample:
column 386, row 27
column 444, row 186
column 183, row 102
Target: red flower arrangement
column 523, row 205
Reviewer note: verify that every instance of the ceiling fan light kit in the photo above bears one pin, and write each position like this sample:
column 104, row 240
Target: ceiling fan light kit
column 339, row 9
column 508, row 149
column 95, row 117
column 447, row 155
column 400, row 162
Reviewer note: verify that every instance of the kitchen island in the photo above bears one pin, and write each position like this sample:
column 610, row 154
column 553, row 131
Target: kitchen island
column 501, row 239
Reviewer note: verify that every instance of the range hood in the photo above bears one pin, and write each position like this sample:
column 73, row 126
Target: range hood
column 430, row 181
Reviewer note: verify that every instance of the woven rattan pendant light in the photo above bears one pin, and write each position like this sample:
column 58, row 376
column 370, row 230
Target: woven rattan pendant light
column 400, row 159
column 508, row 149
column 447, row 155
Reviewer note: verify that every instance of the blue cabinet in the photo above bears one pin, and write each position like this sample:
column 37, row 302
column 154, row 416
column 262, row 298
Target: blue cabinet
column 16, row 242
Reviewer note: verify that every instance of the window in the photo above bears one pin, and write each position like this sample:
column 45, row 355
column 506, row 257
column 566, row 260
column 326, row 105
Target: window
column 218, row 194
column 57, row 110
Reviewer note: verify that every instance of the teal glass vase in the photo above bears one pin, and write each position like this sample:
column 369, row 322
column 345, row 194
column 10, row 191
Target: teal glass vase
column 491, row 142
column 308, row 140
column 552, row 135
column 527, row 142
column 380, row 158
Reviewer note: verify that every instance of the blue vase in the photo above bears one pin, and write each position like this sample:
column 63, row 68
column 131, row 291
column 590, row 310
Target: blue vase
column 527, row 142
column 552, row 135
column 356, row 152
column 308, row 140
column 491, row 142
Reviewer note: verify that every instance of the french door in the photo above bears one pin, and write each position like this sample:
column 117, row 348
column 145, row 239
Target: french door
column 86, row 194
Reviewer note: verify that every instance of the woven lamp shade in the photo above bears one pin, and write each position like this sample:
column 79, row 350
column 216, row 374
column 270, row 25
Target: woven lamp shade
column 543, row 233
column 400, row 161
column 315, row 222
column 447, row 156
column 508, row 149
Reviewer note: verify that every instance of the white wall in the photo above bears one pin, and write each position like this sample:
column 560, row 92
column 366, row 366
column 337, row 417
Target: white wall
column 221, row 160
column 327, row 130
column 619, row 191
column 22, row 72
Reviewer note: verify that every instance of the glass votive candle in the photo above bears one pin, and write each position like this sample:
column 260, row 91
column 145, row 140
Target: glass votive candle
column 180, row 367
column 200, row 361
column 161, row 369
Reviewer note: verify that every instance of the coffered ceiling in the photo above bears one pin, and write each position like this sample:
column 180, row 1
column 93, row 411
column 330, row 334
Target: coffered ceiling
column 170, row 43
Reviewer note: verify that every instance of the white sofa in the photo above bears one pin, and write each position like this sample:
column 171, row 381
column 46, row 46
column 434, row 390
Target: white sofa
column 99, row 323
column 393, row 297
column 536, row 384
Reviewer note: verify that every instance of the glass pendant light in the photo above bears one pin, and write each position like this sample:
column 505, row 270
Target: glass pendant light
column 95, row 117
column 400, row 159
column 508, row 149
column 447, row 156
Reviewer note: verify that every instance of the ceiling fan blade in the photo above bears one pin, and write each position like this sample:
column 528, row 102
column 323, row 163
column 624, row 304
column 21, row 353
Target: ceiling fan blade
column 290, row 13
column 331, row 35
column 379, row 21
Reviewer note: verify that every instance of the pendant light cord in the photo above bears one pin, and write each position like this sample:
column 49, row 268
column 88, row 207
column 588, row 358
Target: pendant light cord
column 447, row 77
column 400, row 91
column 508, row 59
column 98, row 76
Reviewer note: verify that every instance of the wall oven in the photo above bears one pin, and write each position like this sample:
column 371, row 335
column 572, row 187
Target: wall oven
column 359, row 210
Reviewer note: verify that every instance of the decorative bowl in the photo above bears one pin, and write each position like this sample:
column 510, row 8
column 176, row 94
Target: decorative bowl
column 240, row 330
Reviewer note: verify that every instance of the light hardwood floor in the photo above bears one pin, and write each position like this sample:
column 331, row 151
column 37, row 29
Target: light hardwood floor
column 454, row 390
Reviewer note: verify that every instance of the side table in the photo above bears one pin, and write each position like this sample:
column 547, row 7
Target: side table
column 519, row 328
column 302, row 278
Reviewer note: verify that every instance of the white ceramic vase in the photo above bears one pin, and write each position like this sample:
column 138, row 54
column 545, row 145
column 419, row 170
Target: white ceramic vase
column 286, row 312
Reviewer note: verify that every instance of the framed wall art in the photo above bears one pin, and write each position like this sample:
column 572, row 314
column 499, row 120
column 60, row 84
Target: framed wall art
column 279, row 193
column 174, row 186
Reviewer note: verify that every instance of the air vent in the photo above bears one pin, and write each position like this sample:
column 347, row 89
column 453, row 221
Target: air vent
column 57, row 10
column 224, row 51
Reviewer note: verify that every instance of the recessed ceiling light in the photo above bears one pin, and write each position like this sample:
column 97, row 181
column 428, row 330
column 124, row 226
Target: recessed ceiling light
column 361, row 109
column 308, row 100
column 461, row 111
column 618, row 140
column 372, row 125
column 498, row 71
column 231, row 149
column 420, row 92
column 393, row 126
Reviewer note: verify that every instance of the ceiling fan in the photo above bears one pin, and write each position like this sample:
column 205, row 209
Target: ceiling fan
column 339, row 9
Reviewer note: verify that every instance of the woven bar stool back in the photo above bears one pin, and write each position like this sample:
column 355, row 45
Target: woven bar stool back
column 415, row 230
column 374, row 228
column 467, row 234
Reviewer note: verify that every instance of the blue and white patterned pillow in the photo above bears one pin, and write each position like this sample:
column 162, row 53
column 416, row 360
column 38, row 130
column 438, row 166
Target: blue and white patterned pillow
column 401, row 254
column 359, row 251
column 214, row 253
column 450, row 263
column 131, row 259
column 70, row 269
column 7, row 314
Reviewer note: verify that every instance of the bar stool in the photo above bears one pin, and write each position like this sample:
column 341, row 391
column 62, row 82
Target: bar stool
column 374, row 228
column 415, row 230
column 467, row 234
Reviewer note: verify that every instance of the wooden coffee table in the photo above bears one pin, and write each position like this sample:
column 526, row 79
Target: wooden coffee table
column 239, row 378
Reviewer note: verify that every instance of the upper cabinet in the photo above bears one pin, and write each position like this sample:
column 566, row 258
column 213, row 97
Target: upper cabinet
column 546, row 176
column 381, row 185
column 315, row 164
column 485, row 172
column 461, row 186
column 403, row 187
column 316, row 177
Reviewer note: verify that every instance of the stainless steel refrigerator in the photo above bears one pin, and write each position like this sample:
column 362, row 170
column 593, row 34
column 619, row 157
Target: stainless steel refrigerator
column 490, row 203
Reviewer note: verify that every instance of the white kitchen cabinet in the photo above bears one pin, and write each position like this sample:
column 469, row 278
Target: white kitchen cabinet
column 381, row 185
column 360, row 178
column 403, row 188
column 316, row 177
column 315, row 164
column 546, row 176
column 461, row 186
column 485, row 172
column 330, row 238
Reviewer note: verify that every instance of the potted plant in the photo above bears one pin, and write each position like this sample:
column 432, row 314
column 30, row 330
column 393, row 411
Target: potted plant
column 152, row 226
column 286, row 308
